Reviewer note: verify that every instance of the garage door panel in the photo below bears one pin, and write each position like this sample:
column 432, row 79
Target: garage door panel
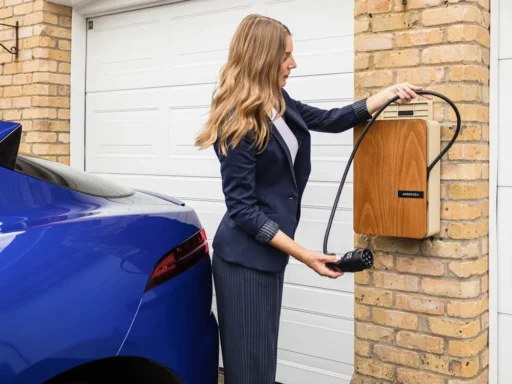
column 161, row 46
column 319, row 301
column 310, row 369
column 192, row 96
column 125, row 54
column 308, row 19
column 330, row 170
column 199, row 57
column 308, row 375
column 124, row 133
column 183, row 129
column 145, row 166
column 186, row 9
column 322, row 195
column 317, row 195
column 333, row 87
column 311, row 230
column 198, row 190
column 331, row 151
column 311, row 334
column 301, row 275
column 171, row 121
column 121, row 132
column 169, row 128
column 323, row 56
column 150, row 80
column 321, row 46
column 197, row 95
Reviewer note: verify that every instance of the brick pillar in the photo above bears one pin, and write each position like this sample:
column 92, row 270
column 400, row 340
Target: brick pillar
column 35, row 88
column 422, row 313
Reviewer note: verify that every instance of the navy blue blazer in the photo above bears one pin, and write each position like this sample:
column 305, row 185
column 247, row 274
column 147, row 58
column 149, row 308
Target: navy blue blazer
column 263, row 190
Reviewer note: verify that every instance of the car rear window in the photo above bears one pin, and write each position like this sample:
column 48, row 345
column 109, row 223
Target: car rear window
column 70, row 178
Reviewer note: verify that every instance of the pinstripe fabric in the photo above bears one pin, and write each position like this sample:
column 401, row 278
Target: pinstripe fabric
column 249, row 308
column 267, row 231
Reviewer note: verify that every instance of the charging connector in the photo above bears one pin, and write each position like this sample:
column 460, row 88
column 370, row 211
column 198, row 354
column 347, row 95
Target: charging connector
column 351, row 158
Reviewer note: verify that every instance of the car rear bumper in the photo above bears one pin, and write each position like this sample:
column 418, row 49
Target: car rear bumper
column 174, row 326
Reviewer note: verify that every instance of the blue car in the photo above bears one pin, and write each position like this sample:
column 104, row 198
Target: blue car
column 99, row 283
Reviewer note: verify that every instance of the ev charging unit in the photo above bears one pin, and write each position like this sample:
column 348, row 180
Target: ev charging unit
column 397, row 177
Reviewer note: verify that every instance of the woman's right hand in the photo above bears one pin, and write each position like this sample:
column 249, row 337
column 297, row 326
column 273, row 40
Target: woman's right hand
column 317, row 260
column 314, row 260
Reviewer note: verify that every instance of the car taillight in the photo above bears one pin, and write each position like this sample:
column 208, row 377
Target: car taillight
column 179, row 259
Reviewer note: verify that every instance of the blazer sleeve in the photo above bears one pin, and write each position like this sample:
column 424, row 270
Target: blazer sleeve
column 334, row 120
column 239, row 184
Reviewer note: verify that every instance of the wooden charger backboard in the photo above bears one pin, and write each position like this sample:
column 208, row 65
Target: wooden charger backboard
column 392, row 196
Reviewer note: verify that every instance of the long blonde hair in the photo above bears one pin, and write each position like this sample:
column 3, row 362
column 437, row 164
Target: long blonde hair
column 249, row 85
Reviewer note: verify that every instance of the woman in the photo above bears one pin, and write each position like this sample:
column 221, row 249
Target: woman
column 261, row 137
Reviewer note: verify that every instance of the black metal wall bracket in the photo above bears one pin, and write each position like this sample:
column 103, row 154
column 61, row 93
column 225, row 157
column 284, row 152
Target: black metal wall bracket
column 14, row 50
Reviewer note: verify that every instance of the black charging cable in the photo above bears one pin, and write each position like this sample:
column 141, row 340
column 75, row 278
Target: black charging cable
column 362, row 258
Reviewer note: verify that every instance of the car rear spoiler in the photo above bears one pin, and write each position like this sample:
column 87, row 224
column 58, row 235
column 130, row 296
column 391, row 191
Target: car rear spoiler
column 10, row 139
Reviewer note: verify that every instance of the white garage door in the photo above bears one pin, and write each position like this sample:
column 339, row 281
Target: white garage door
column 150, row 77
column 504, row 224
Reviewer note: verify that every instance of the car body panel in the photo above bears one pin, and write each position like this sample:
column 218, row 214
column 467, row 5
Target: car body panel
column 193, row 365
column 73, row 272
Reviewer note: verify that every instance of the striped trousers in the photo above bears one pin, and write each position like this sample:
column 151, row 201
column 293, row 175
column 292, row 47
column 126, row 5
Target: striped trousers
column 249, row 309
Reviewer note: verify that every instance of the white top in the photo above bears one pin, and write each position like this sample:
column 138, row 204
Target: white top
column 287, row 134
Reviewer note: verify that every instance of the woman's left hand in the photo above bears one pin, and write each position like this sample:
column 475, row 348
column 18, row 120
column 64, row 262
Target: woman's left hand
column 405, row 92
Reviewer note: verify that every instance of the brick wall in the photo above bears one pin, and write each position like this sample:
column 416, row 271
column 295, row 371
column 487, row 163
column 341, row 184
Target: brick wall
column 34, row 89
column 422, row 313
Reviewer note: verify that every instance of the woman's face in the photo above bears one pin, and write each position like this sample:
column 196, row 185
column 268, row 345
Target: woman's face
column 288, row 62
